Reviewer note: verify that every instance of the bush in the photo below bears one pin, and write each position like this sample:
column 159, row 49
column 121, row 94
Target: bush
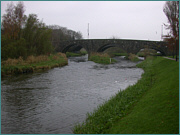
column 102, row 58
column 13, row 49
column 133, row 57
column 141, row 54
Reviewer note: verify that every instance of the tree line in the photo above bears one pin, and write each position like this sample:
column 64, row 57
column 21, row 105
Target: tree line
column 23, row 35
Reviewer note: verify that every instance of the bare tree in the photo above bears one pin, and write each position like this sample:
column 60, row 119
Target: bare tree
column 7, row 22
column 62, row 33
column 78, row 35
column 13, row 20
column 19, row 17
column 171, row 10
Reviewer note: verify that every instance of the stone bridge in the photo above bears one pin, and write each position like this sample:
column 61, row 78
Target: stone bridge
column 99, row 45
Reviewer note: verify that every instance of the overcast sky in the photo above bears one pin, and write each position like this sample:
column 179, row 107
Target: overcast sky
column 122, row 19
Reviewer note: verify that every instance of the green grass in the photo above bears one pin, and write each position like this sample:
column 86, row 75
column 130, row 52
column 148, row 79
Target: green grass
column 149, row 107
column 101, row 58
column 71, row 54
column 56, row 60
column 172, row 56
column 120, row 54
column 151, row 53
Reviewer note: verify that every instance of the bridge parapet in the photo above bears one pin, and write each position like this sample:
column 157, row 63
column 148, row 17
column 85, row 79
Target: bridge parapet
column 99, row 45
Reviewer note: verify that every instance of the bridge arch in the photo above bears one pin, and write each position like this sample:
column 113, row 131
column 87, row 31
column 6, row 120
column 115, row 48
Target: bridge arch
column 104, row 47
column 100, row 45
column 65, row 49
column 74, row 47
column 107, row 46
column 154, row 48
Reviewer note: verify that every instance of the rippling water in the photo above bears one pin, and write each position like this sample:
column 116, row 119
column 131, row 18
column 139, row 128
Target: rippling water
column 54, row 101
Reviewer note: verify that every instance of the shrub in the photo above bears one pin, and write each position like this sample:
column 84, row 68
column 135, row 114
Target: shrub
column 102, row 58
column 133, row 57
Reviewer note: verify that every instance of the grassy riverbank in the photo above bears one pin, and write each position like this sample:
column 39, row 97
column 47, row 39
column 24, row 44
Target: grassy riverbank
column 151, row 106
column 101, row 58
column 32, row 64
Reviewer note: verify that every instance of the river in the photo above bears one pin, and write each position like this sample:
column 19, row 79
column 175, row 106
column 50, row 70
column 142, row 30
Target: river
column 53, row 101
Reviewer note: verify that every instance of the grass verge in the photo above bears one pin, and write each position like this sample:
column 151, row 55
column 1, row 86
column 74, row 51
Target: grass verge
column 32, row 64
column 101, row 58
column 151, row 106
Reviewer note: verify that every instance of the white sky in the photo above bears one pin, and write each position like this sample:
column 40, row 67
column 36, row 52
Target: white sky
column 122, row 19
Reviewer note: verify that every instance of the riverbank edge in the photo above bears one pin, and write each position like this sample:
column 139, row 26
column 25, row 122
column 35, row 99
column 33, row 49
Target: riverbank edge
column 34, row 67
column 107, row 117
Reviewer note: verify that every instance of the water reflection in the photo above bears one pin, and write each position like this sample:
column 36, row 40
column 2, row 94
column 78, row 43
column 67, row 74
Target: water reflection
column 53, row 101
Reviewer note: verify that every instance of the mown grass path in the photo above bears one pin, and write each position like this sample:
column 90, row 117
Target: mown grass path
column 170, row 58
column 149, row 107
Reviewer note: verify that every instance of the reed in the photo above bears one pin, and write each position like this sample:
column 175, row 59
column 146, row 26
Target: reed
column 10, row 61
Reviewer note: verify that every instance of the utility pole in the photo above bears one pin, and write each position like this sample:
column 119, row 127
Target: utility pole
column 161, row 32
column 88, row 30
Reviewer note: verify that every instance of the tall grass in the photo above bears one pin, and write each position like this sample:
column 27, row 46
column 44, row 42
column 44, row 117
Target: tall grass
column 32, row 64
column 10, row 61
column 32, row 59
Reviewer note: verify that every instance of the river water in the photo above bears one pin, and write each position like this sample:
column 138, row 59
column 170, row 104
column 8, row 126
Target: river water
column 52, row 102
